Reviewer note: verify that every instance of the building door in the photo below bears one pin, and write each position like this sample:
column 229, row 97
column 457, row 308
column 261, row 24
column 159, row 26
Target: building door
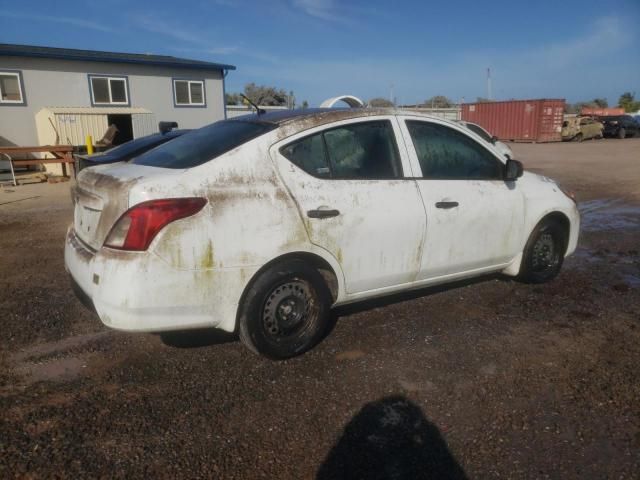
column 124, row 125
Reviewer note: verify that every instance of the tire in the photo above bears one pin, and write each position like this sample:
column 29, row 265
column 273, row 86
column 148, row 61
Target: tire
column 578, row 137
column 286, row 311
column 622, row 133
column 544, row 253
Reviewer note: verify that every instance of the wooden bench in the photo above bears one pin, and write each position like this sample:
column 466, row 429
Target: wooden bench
column 63, row 154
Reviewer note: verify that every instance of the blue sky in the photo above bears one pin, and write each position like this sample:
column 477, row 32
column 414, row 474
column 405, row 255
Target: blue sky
column 570, row 49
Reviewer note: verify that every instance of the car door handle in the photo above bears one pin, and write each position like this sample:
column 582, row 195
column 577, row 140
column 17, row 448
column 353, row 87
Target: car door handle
column 323, row 213
column 446, row 204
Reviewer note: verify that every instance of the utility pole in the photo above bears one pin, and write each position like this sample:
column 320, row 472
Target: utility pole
column 391, row 99
column 489, row 83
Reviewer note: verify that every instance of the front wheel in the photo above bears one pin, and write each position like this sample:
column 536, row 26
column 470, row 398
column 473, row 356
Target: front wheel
column 622, row 133
column 544, row 253
column 285, row 311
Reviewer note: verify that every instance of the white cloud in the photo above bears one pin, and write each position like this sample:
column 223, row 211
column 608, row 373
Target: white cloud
column 76, row 22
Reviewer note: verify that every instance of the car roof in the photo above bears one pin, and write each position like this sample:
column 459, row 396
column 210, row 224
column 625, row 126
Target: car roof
column 310, row 117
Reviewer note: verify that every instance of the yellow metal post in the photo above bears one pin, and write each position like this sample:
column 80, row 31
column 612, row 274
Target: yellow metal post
column 89, row 141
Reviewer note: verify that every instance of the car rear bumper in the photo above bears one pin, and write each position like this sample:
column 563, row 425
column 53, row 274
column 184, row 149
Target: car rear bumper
column 138, row 291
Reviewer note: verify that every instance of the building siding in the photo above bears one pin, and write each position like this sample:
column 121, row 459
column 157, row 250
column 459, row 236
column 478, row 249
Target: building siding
column 64, row 83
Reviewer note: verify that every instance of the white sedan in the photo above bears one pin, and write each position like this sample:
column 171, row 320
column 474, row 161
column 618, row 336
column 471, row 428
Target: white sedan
column 263, row 223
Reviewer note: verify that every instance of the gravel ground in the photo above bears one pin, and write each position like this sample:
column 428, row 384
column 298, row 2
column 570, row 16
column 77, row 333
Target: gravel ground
column 490, row 379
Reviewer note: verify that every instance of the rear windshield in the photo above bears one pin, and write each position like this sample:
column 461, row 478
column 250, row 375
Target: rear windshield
column 201, row 145
column 132, row 146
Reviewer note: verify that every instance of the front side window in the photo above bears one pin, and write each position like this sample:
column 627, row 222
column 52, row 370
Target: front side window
column 358, row 151
column 11, row 88
column 188, row 93
column 109, row 90
column 445, row 153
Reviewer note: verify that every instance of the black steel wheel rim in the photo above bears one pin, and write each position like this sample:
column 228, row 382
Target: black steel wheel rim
column 545, row 254
column 287, row 309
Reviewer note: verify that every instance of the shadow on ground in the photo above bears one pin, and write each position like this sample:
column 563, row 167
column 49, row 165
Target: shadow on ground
column 390, row 439
column 208, row 337
column 197, row 338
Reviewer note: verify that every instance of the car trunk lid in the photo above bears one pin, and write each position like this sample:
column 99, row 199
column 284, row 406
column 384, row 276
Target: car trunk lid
column 101, row 195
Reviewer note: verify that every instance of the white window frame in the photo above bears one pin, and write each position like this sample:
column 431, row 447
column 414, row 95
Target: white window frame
column 109, row 78
column 18, row 76
column 191, row 102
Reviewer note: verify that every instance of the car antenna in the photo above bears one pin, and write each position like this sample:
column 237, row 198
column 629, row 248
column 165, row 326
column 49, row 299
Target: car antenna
column 259, row 110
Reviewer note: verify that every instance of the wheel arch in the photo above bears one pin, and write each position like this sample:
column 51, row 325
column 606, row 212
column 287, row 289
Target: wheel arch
column 558, row 217
column 321, row 264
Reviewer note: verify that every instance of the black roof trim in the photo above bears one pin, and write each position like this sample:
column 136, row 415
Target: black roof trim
column 108, row 57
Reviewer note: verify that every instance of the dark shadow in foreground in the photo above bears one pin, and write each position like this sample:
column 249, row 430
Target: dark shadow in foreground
column 203, row 337
column 390, row 439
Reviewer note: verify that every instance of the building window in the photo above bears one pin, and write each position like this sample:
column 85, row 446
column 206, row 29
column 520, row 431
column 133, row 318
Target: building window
column 188, row 93
column 109, row 90
column 11, row 90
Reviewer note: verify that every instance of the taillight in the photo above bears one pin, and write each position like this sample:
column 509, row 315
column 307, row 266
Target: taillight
column 138, row 226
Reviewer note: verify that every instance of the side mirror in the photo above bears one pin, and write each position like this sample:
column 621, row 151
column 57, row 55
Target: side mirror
column 513, row 170
column 494, row 139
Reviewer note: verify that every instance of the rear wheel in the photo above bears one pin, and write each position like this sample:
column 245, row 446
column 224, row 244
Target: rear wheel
column 622, row 133
column 544, row 253
column 285, row 311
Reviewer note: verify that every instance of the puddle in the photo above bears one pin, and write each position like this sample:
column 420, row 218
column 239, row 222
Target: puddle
column 608, row 214
column 632, row 280
column 587, row 255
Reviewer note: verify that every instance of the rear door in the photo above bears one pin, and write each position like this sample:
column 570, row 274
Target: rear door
column 474, row 217
column 348, row 181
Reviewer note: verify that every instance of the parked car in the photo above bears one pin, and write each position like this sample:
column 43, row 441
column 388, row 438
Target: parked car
column 263, row 223
column 127, row 150
column 620, row 126
column 487, row 137
column 581, row 128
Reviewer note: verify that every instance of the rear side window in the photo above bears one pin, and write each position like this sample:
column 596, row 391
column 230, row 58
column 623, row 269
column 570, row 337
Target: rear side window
column 201, row 145
column 445, row 153
column 358, row 151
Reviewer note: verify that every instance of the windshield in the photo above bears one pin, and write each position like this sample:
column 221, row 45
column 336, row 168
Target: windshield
column 204, row 144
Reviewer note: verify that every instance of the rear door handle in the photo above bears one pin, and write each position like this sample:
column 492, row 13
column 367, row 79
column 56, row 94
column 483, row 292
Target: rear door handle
column 446, row 204
column 323, row 213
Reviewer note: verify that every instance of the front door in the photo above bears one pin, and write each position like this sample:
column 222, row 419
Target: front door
column 474, row 217
column 347, row 180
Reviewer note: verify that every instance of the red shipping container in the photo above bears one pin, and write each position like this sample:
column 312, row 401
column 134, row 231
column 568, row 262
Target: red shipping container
column 519, row 120
column 601, row 112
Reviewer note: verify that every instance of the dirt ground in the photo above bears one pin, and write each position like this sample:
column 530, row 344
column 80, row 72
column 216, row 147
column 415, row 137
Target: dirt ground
column 492, row 379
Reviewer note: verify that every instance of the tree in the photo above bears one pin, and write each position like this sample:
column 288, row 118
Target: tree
column 601, row 102
column 305, row 104
column 438, row 101
column 482, row 100
column 232, row 98
column 264, row 95
column 380, row 102
column 628, row 102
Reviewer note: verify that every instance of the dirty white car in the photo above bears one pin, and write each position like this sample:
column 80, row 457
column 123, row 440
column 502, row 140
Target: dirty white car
column 262, row 223
column 501, row 147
